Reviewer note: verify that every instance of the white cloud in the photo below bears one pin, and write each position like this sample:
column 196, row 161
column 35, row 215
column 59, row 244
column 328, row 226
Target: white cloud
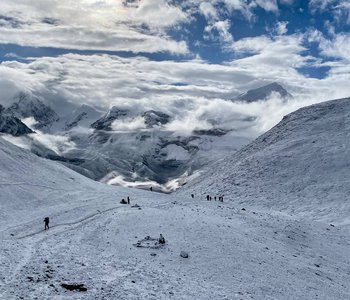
column 320, row 4
column 282, row 55
column 338, row 47
column 335, row 47
column 339, row 8
column 220, row 30
column 208, row 10
column 129, row 124
column 287, row 1
column 268, row 5
column 282, row 27
column 193, row 92
column 92, row 25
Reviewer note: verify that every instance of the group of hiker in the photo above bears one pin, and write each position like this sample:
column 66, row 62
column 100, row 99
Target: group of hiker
column 210, row 198
column 127, row 201
column 219, row 198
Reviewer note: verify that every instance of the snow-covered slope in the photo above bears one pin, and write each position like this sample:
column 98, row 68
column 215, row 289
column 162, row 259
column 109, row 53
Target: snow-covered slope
column 301, row 166
column 264, row 92
column 233, row 253
column 83, row 116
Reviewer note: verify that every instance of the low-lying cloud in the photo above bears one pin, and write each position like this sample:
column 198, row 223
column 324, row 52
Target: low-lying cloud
column 195, row 94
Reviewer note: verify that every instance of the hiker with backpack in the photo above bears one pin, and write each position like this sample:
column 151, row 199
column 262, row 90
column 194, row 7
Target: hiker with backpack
column 47, row 221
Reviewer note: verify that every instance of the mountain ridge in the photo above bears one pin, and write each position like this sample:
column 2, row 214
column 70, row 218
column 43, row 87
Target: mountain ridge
column 301, row 162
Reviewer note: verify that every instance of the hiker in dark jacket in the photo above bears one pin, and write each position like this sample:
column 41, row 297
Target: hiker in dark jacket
column 128, row 199
column 161, row 239
column 47, row 221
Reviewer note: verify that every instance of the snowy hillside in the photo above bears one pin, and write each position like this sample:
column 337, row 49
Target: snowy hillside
column 301, row 166
column 98, row 245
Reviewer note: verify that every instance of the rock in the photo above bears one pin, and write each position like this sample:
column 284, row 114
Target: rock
column 153, row 254
column 105, row 123
column 155, row 118
column 74, row 287
column 184, row 254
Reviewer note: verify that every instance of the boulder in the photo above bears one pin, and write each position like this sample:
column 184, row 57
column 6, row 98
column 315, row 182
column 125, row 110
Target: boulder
column 184, row 254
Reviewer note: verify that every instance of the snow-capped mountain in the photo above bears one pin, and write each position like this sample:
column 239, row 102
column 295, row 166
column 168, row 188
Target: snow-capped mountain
column 264, row 92
column 129, row 148
column 144, row 158
column 12, row 125
column 124, row 146
column 27, row 105
column 83, row 116
column 301, row 166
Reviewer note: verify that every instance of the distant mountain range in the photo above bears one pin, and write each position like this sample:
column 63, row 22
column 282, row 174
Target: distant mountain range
column 149, row 155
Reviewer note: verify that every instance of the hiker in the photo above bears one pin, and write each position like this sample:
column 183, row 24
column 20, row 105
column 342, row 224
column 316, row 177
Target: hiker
column 208, row 197
column 47, row 221
column 161, row 239
column 192, row 196
column 215, row 198
column 151, row 189
column 128, row 199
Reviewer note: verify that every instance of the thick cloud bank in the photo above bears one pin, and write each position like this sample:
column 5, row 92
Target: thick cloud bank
column 194, row 93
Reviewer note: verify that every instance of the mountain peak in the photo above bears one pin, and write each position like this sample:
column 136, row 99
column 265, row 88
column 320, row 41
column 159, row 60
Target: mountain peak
column 27, row 105
column 262, row 93
column 106, row 121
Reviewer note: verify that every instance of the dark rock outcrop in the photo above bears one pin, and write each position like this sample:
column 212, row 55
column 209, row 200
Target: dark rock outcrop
column 27, row 105
column 12, row 125
column 155, row 118
column 106, row 121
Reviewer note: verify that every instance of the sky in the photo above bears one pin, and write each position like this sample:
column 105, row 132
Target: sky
column 186, row 57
